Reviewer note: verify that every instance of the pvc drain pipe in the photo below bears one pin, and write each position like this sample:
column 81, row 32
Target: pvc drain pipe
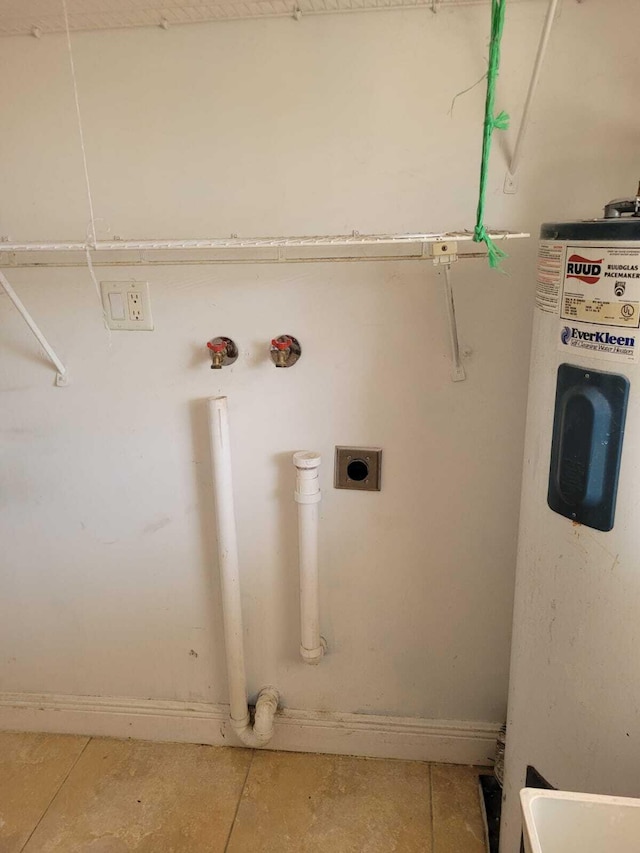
column 307, row 495
column 261, row 732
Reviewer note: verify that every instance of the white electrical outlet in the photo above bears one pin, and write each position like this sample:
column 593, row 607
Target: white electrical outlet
column 134, row 301
column 127, row 305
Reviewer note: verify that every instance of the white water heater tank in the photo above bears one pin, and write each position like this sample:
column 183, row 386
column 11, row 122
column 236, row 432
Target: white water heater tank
column 574, row 695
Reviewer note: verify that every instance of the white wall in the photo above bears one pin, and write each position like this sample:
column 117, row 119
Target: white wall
column 277, row 127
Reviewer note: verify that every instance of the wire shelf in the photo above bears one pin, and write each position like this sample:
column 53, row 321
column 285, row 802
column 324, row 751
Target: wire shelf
column 341, row 247
column 234, row 242
column 38, row 17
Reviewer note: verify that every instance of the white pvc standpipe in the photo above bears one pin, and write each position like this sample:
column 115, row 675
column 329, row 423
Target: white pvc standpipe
column 307, row 495
column 261, row 732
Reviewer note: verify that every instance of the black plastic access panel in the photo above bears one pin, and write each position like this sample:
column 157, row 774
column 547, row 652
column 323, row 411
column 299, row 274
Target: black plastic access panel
column 588, row 428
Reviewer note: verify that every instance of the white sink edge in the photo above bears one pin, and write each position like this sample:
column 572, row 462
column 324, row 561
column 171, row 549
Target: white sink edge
column 529, row 795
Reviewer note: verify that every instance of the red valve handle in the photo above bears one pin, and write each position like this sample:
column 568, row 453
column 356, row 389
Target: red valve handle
column 281, row 345
column 217, row 347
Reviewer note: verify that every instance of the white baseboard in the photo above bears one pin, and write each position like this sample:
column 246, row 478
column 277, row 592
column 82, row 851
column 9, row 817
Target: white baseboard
column 297, row 731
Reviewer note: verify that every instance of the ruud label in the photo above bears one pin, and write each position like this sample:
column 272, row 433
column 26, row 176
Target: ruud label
column 601, row 285
column 584, row 269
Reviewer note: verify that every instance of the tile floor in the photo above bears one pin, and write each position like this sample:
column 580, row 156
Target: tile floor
column 94, row 795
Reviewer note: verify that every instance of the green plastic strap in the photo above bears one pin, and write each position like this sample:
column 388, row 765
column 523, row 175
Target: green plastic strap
column 491, row 122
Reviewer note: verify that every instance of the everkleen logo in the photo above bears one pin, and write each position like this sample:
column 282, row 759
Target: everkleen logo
column 592, row 339
column 584, row 269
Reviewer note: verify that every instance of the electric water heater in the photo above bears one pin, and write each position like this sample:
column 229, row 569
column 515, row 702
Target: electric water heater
column 574, row 695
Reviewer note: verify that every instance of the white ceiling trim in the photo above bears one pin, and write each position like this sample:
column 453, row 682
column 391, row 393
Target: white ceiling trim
column 38, row 17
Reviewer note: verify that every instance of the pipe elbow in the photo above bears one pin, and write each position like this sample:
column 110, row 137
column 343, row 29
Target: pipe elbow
column 260, row 733
column 314, row 656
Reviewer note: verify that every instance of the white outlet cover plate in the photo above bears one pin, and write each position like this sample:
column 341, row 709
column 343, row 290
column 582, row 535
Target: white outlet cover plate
column 122, row 300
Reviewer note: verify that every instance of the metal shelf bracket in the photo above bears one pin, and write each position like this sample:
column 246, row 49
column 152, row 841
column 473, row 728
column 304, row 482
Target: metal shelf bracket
column 511, row 181
column 457, row 369
column 62, row 376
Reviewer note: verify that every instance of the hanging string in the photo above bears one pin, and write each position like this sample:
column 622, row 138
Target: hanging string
column 94, row 279
column 91, row 227
column 491, row 122
column 92, row 222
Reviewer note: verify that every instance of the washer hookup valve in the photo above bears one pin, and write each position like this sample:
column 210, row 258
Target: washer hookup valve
column 285, row 350
column 223, row 352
